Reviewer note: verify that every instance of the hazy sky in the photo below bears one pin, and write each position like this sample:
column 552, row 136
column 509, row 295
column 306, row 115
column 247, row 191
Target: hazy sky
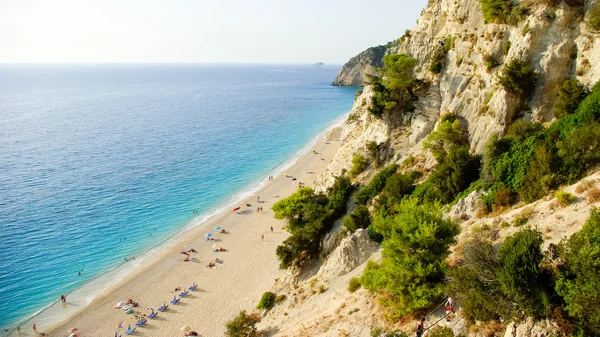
column 286, row 31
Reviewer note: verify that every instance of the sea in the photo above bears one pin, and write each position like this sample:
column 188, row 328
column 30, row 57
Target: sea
column 104, row 162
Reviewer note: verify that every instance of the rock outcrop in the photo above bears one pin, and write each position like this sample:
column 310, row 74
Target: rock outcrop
column 353, row 72
column 353, row 251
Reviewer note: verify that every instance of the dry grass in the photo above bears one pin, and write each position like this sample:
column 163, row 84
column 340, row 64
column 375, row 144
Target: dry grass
column 584, row 186
column 593, row 195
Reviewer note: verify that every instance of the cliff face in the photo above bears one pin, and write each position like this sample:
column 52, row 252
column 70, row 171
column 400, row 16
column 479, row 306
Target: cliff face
column 353, row 72
column 553, row 40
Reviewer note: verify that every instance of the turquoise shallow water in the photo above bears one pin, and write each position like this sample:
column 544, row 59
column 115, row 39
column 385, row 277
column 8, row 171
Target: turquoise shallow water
column 101, row 162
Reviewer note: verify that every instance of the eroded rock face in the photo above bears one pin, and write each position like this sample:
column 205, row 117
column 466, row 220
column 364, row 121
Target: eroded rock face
column 352, row 251
column 468, row 87
column 467, row 207
column 353, row 72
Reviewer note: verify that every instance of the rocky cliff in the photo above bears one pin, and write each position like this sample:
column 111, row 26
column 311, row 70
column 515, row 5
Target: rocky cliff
column 554, row 39
column 354, row 71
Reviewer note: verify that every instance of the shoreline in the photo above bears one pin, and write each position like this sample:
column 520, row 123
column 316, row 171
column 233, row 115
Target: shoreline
column 52, row 317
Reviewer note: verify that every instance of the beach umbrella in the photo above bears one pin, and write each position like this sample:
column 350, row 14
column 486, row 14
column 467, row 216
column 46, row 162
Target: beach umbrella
column 120, row 305
column 208, row 235
column 218, row 227
column 185, row 328
column 72, row 330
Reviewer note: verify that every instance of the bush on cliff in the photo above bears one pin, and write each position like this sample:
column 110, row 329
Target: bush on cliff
column 579, row 276
column 309, row 216
column 518, row 78
column 496, row 10
column 570, row 95
column 359, row 164
column 376, row 185
column 244, row 325
column 415, row 245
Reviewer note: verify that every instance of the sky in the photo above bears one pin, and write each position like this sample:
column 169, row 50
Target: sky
column 216, row 31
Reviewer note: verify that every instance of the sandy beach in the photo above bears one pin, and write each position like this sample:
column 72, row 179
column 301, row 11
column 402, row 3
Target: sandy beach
column 249, row 267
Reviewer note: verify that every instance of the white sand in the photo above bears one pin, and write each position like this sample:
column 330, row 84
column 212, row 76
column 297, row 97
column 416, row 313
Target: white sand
column 249, row 269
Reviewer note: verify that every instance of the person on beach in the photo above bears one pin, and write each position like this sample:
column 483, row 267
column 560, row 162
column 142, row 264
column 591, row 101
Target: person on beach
column 263, row 237
column 34, row 329
column 258, row 198
column 63, row 298
column 271, row 229
column 421, row 327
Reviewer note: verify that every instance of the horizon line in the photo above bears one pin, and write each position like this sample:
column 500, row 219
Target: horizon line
column 159, row 62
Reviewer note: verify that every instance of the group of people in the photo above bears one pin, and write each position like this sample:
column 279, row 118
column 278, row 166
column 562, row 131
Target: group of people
column 213, row 263
column 259, row 209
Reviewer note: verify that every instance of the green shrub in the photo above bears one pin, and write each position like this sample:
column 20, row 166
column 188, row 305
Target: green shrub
column 376, row 185
column 435, row 67
column 378, row 332
column 408, row 162
column 550, row 14
column 354, row 284
column 520, row 274
column 519, row 78
column 565, row 198
column 448, row 134
column 440, row 331
column 359, row 164
column 520, row 221
column 415, row 246
column 359, row 218
column 454, row 174
column 578, row 280
column 267, row 301
column 399, row 185
column 489, row 62
column 309, row 216
column 517, row 13
column 502, row 198
column 495, row 10
column 374, row 151
column 338, row 196
column 570, row 96
column 399, row 70
column 448, row 44
column 593, row 18
column 374, row 235
column 474, row 285
column 382, row 100
column 243, row 325
column 579, row 151
column 506, row 48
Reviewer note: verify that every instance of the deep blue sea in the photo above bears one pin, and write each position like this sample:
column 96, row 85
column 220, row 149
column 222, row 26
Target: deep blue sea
column 93, row 154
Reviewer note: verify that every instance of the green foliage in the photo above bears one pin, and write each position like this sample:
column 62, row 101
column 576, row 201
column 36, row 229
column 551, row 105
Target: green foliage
column 550, row 14
column 565, row 198
column 593, row 18
column 374, row 151
column 491, row 285
column 495, row 10
column 309, row 216
column 474, row 284
column 435, row 67
column 374, row 235
column 517, row 13
column 519, row 78
column 454, row 174
column 502, row 198
column 354, row 284
column 416, row 243
column 376, row 185
column 448, row 44
column 338, row 195
column 267, row 301
column 579, row 278
column 399, row 72
column 381, row 101
column 378, row 332
column 489, row 62
column 441, row 331
column 243, row 325
column 398, row 186
column 359, row 164
column 570, row 96
column 580, row 151
column 280, row 298
column 506, row 47
column 510, row 156
column 520, row 274
column 359, row 218
column 448, row 134
column 357, row 93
